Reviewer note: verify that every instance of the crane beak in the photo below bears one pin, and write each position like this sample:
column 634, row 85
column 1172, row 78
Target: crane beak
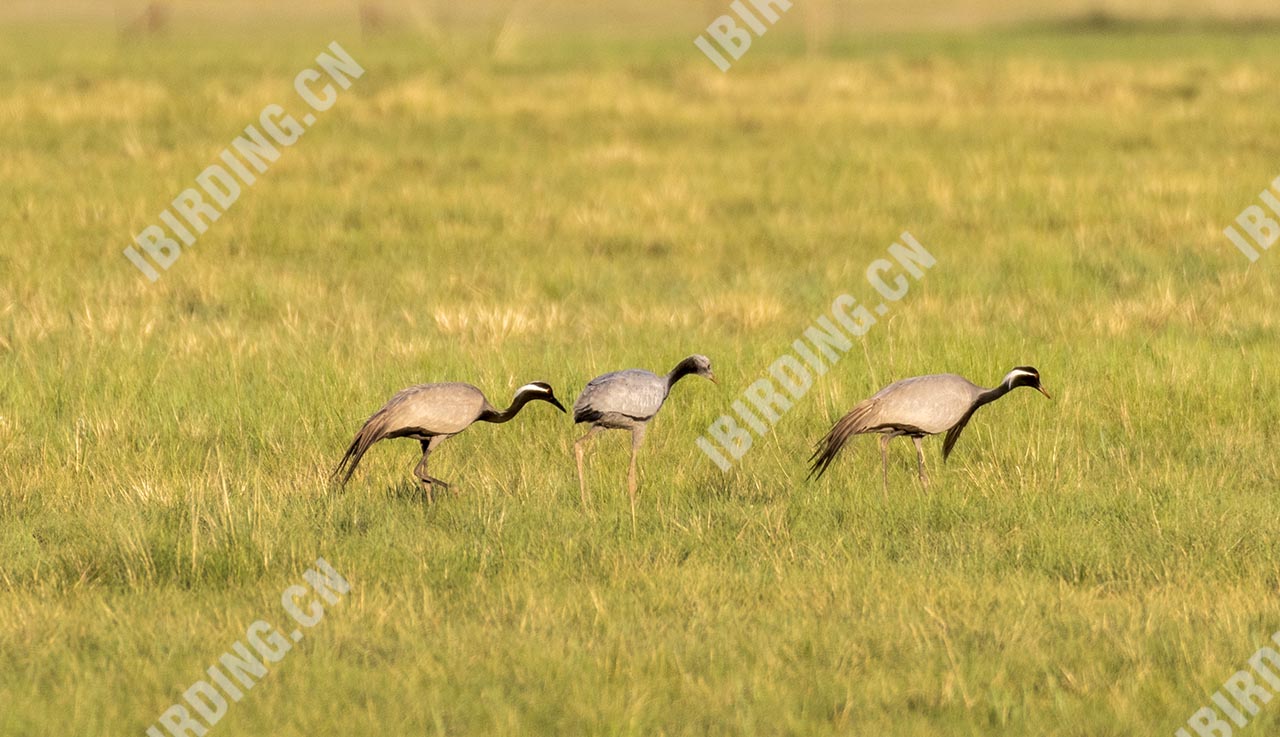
column 1042, row 391
column 556, row 403
column 711, row 375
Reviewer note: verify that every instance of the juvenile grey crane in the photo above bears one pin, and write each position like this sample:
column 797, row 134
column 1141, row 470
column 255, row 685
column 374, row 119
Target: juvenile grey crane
column 627, row 400
column 916, row 407
column 429, row 413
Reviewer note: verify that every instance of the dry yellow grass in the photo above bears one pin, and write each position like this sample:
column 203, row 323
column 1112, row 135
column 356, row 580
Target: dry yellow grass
column 1093, row 566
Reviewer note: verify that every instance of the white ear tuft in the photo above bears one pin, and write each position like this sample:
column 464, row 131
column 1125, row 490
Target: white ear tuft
column 1008, row 379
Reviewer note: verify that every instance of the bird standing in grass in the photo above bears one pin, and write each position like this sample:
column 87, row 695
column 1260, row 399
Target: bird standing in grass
column 429, row 413
column 916, row 407
column 627, row 400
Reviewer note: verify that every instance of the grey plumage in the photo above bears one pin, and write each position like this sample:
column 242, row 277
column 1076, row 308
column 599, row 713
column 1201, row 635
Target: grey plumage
column 620, row 397
column 628, row 400
column 916, row 407
column 429, row 413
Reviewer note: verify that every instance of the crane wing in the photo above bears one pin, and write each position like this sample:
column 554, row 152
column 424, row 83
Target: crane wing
column 438, row 409
column 634, row 393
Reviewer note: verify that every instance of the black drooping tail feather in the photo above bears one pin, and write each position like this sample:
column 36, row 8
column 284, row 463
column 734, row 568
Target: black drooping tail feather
column 371, row 433
column 851, row 424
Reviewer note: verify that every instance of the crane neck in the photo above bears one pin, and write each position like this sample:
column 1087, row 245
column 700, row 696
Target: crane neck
column 682, row 369
column 498, row 417
column 991, row 395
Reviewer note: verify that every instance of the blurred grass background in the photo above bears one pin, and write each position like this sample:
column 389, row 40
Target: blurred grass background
column 593, row 194
column 875, row 14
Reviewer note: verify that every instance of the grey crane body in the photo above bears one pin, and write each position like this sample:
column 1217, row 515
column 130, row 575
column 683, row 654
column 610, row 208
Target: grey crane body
column 628, row 400
column 917, row 407
column 929, row 404
column 619, row 399
column 430, row 413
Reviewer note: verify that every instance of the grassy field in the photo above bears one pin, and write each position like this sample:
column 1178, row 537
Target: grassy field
column 1095, row 565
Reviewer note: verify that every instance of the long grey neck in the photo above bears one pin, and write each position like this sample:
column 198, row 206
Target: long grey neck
column 496, row 417
column 991, row 395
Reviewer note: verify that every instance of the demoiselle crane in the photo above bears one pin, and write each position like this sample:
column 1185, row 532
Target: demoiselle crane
column 430, row 413
column 916, row 407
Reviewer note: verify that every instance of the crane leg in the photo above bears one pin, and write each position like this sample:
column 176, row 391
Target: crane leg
column 580, row 450
column 924, row 479
column 420, row 471
column 637, row 437
column 884, row 462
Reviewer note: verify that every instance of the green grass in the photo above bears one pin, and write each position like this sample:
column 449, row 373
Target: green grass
column 1095, row 565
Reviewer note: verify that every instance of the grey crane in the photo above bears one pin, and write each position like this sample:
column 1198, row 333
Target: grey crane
column 430, row 413
column 916, row 407
column 627, row 400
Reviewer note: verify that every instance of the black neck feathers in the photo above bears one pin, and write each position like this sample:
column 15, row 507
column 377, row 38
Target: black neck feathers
column 682, row 369
column 991, row 395
column 517, row 404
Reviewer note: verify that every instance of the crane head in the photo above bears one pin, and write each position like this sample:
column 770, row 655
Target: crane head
column 701, row 365
column 1025, row 376
column 541, row 390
